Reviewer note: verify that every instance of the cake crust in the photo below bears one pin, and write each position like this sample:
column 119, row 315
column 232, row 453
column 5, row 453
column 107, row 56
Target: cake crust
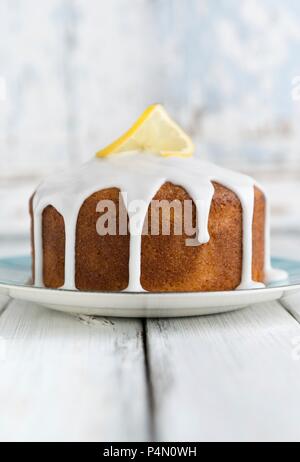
column 167, row 264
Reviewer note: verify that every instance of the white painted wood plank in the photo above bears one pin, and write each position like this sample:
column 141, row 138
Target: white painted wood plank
column 286, row 245
column 116, row 70
column 70, row 378
column 230, row 377
column 283, row 193
column 33, row 116
column 13, row 247
column 14, row 210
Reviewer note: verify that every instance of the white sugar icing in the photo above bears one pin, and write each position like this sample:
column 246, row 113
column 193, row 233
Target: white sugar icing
column 139, row 175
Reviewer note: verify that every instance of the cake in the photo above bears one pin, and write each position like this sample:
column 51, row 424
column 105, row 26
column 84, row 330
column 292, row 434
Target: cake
column 226, row 248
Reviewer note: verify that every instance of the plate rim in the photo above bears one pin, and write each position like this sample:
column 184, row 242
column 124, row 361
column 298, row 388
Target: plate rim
column 11, row 285
column 140, row 305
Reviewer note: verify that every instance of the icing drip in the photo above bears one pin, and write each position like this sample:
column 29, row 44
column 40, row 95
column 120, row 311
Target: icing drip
column 38, row 245
column 139, row 176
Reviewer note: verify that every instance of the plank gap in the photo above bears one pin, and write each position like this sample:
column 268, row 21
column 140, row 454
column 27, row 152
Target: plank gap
column 5, row 306
column 149, row 383
column 289, row 308
column 228, row 377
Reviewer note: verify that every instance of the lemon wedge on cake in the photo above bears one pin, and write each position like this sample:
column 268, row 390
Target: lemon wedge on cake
column 154, row 131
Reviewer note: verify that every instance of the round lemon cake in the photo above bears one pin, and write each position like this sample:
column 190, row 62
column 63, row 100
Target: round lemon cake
column 224, row 247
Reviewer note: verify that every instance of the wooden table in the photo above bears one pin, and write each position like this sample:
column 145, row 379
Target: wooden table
column 232, row 376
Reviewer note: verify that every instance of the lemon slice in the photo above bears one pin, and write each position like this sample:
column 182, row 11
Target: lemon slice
column 156, row 132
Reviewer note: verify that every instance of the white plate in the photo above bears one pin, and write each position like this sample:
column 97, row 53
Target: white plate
column 14, row 272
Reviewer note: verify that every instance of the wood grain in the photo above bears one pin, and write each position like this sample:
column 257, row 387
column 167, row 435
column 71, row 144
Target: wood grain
column 230, row 377
column 70, row 378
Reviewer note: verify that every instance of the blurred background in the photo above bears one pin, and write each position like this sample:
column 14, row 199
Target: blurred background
column 76, row 73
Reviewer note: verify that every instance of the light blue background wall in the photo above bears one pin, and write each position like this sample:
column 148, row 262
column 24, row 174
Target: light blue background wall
column 77, row 72
column 231, row 63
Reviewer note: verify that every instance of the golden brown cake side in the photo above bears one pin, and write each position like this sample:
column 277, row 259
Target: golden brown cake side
column 101, row 261
column 167, row 263
column 54, row 238
column 258, row 236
